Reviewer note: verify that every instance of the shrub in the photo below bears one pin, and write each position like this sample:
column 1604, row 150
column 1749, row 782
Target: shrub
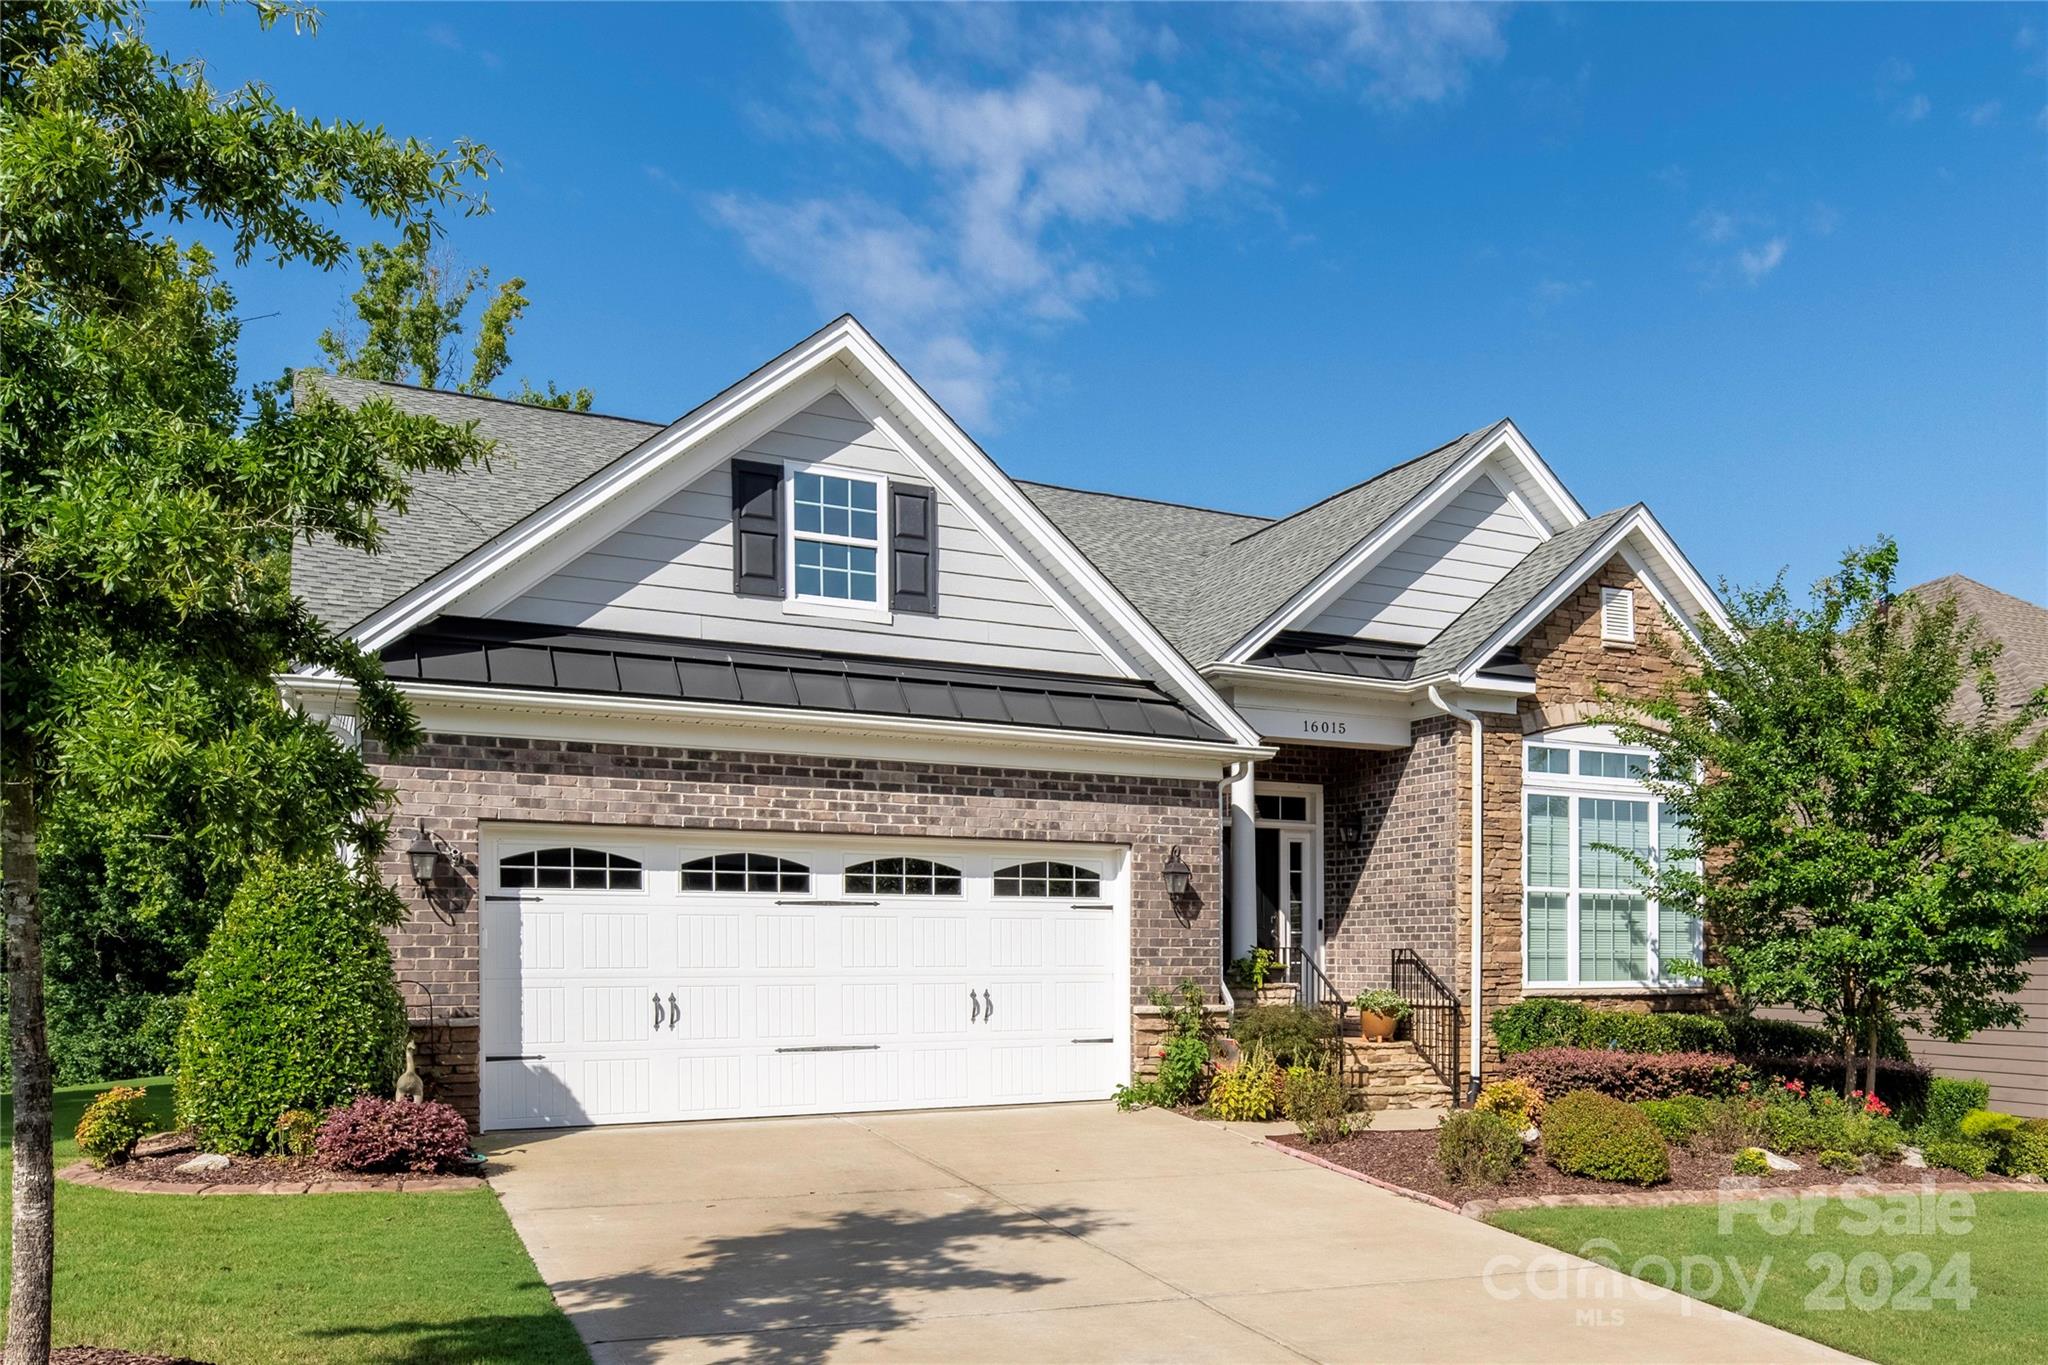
column 1750, row 1161
column 1756, row 1037
column 370, row 1134
column 1530, row 1024
column 111, row 1125
column 1654, row 1032
column 1512, row 1099
column 294, row 1131
column 1294, row 1035
column 1628, row 1075
column 1840, row 1161
column 1795, row 1121
column 293, row 1003
column 1949, row 1098
column 1478, row 1148
column 1319, row 1105
column 1254, row 967
column 1958, row 1154
column 2017, row 1146
column 1591, row 1134
column 1386, row 1004
column 1247, row 1093
column 1681, row 1119
column 1902, row 1085
column 2026, row 1152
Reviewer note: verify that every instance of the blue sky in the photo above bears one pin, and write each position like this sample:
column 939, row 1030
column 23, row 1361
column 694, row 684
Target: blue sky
column 1779, row 271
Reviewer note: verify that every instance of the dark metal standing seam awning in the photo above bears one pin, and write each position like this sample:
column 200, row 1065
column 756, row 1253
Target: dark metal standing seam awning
column 464, row 651
column 1342, row 656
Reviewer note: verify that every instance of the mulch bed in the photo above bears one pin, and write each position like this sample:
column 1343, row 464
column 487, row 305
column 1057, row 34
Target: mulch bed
column 107, row 1355
column 157, row 1173
column 1409, row 1161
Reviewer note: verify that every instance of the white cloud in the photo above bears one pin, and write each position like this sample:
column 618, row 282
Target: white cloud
column 1823, row 218
column 1715, row 226
column 1550, row 292
column 1913, row 108
column 1403, row 54
column 1982, row 115
column 1000, row 193
column 1757, row 262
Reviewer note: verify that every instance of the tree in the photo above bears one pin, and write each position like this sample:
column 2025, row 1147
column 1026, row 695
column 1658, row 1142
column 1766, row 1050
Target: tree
column 411, row 310
column 148, row 500
column 1868, row 840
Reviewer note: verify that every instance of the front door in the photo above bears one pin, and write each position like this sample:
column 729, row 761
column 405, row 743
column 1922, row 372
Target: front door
column 1284, row 846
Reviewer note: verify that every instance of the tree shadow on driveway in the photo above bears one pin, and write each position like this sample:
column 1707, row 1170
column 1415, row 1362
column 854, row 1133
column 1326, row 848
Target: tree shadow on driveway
column 789, row 1295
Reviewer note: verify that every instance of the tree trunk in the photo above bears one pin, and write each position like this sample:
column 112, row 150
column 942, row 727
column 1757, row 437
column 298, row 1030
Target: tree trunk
column 1870, row 1052
column 1848, row 1042
column 35, row 1213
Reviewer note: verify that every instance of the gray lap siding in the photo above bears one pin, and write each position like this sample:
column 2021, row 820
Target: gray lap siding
column 454, row 784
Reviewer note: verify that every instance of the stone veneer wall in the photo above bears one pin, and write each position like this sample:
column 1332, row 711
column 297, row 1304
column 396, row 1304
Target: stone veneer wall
column 455, row 783
column 1571, row 662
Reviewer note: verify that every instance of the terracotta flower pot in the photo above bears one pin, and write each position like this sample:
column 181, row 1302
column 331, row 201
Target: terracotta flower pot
column 1376, row 1028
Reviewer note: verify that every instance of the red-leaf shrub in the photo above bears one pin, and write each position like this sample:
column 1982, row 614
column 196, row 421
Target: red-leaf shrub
column 370, row 1134
column 1628, row 1075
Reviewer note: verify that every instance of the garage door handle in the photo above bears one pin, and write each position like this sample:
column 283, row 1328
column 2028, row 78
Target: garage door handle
column 657, row 1011
column 1091, row 1040
column 516, row 1057
column 835, row 1047
column 975, row 1006
column 988, row 1006
column 673, row 1012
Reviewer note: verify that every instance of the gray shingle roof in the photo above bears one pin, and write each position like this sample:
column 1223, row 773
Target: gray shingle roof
column 1151, row 551
column 540, row 454
column 2021, row 626
column 1523, row 584
column 1206, row 578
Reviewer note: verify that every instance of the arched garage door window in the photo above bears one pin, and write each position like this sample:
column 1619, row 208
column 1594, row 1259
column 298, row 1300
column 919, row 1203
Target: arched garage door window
column 569, row 869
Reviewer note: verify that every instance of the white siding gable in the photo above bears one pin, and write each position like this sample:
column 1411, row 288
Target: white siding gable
column 669, row 573
column 1427, row 581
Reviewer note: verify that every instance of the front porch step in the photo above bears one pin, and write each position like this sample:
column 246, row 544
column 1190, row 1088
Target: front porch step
column 1392, row 1075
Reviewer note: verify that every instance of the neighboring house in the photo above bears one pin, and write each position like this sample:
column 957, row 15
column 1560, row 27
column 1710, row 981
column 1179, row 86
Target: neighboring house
column 2014, row 1060
column 793, row 758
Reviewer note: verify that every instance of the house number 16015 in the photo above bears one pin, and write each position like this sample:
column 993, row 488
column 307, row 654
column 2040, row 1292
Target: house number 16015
column 1322, row 727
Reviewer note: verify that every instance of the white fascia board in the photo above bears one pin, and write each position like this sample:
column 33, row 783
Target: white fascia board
column 1294, row 680
column 998, row 491
column 709, row 725
column 1334, row 581
column 1638, row 523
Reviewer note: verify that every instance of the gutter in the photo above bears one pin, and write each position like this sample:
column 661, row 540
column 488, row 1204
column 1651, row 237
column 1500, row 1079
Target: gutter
column 1472, row 719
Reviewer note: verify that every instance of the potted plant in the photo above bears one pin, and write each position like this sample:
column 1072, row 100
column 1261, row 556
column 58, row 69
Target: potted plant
column 1378, row 1014
column 1253, row 968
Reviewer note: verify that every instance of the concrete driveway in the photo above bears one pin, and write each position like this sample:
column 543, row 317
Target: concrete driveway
column 1051, row 1234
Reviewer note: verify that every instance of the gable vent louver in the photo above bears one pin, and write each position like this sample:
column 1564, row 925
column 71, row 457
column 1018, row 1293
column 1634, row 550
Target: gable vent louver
column 1618, row 616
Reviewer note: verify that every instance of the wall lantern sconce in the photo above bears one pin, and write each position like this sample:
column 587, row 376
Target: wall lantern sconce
column 1176, row 873
column 424, row 856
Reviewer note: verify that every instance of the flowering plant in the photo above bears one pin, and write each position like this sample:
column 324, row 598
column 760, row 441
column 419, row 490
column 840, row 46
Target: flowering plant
column 1871, row 1104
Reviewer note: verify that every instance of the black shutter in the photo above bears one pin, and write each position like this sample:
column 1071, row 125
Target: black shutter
column 756, row 529
column 913, row 549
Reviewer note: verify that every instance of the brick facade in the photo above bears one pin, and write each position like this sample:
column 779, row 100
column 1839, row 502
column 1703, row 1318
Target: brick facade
column 1571, row 664
column 1388, row 853
column 453, row 784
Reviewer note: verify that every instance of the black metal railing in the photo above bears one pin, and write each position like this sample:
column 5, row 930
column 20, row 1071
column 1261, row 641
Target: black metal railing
column 1318, row 992
column 1434, row 1016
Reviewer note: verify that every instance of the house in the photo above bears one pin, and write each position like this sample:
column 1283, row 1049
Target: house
column 2014, row 1060
column 792, row 757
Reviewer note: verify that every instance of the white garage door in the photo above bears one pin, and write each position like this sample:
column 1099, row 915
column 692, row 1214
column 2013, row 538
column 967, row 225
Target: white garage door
column 638, row 980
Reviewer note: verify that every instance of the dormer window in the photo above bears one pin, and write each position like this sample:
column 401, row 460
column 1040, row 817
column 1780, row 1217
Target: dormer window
column 836, row 538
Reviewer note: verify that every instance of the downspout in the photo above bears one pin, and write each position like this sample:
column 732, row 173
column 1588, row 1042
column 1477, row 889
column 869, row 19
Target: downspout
column 1471, row 718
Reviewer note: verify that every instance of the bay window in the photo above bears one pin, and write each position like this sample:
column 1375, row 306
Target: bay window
column 1589, row 826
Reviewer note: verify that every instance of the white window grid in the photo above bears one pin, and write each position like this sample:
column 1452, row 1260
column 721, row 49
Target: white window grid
column 837, row 523
column 1573, row 787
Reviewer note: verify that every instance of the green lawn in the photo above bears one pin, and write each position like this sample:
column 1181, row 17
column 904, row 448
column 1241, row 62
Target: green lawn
column 337, row 1277
column 1993, row 1244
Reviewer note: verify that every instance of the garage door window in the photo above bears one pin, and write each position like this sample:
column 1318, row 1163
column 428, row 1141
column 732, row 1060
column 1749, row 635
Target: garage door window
column 569, row 869
column 746, row 872
column 902, row 877
column 1047, row 879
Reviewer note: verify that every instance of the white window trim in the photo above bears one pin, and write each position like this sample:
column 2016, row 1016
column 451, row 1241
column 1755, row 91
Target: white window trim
column 837, row 606
column 1572, row 787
